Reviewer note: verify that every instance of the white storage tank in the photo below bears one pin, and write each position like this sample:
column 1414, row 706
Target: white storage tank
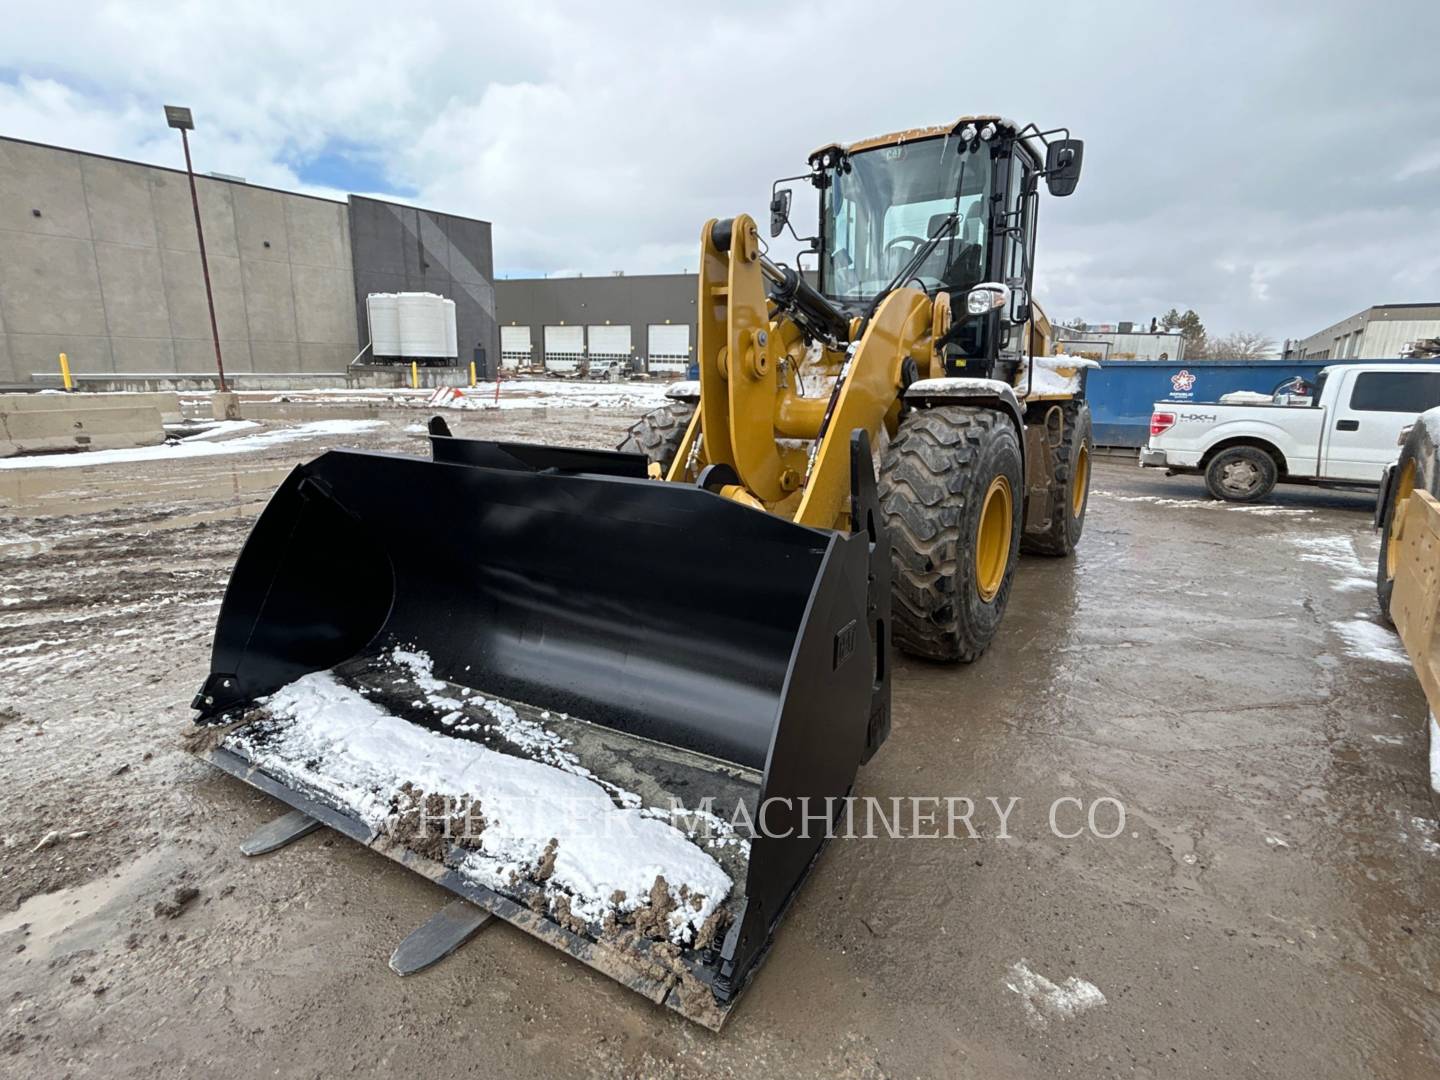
column 448, row 314
column 383, row 314
column 422, row 325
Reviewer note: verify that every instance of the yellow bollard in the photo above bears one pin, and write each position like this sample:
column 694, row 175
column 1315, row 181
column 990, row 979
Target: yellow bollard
column 65, row 372
column 472, row 372
column 414, row 375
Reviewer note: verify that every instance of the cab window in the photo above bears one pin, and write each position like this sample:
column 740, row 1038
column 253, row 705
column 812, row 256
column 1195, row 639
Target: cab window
column 1396, row 391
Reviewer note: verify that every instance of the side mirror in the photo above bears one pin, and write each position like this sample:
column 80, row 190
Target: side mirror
column 1062, row 165
column 780, row 211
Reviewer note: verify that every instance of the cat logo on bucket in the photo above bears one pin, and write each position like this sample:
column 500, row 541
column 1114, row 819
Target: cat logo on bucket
column 1182, row 381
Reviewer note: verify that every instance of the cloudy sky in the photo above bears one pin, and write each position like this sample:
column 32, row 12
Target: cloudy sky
column 1274, row 165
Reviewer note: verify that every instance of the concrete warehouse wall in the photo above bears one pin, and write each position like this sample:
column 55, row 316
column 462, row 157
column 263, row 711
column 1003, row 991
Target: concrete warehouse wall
column 108, row 271
column 99, row 260
column 405, row 249
column 637, row 300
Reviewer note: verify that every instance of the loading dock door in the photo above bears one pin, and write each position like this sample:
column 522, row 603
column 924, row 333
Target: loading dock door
column 515, row 347
column 564, row 347
column 669, row 347
column 609, row 342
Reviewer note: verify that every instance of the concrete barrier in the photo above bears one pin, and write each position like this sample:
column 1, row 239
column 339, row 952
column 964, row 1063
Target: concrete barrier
column 356, row 377
column 306, row 410
column 167, row 404
column 365, row 378
column 40, row 423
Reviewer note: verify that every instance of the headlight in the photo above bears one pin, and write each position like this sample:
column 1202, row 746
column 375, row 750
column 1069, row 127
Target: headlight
column 986, row 298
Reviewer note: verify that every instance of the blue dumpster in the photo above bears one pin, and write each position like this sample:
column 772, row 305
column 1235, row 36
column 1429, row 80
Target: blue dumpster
column 1122, row 392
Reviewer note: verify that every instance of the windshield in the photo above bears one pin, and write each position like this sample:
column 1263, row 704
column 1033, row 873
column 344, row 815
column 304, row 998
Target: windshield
column 892, row 200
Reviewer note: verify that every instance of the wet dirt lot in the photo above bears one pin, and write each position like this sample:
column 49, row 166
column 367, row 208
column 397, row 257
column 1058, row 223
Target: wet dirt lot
column 1268, row 909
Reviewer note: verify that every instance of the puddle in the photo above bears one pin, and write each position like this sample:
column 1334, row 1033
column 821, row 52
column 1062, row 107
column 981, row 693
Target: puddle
column 71, row 491
column 183, row 521
column 81, row 916
column 22, row 549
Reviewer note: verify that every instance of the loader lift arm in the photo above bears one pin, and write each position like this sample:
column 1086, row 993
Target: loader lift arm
column 743, row 355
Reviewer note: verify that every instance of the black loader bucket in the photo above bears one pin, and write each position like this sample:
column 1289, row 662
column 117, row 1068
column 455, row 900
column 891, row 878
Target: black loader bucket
column 562, row 690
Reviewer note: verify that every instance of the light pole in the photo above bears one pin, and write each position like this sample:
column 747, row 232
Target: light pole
column 179, row 117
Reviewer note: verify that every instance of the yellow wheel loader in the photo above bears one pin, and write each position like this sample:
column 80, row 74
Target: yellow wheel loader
column 916, row 326
column 619, row 699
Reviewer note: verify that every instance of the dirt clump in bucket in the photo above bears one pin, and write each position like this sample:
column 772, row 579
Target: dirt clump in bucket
column 428, row 823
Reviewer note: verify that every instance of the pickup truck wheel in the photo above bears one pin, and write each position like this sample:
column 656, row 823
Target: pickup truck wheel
column 951, row 489
column 1069, row 485
column 659, row 433
column 1241, row 474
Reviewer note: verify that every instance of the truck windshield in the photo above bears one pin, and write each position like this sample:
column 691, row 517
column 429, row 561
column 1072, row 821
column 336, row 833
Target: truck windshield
column 891, row 200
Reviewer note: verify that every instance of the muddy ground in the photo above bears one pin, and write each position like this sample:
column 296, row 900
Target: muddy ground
column 1269, row 908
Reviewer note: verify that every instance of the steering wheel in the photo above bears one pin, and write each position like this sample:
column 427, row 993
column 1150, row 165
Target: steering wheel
column 915, row 243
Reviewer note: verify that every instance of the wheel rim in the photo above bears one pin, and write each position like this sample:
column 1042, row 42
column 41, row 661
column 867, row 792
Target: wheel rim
column 1240, row 477
column 1404, row 488
column 1081, row 482
column 992, row 538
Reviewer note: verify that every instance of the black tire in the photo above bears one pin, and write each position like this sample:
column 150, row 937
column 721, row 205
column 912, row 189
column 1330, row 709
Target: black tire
column 1384, row 579
column 934, row 480
column 658, row 433
column 1243, row 474
column 1406, row 478
column 1069, row 485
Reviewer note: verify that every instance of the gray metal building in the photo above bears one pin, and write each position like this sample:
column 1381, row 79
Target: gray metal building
column 563, row 324
column 1381, row 332
column 99, row 260
column 1122, row 342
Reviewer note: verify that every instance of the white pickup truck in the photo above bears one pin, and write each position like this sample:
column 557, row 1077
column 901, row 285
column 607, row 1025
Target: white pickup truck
column 1345, row 436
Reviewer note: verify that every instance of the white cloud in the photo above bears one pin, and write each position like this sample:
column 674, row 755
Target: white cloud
column 1426, row 161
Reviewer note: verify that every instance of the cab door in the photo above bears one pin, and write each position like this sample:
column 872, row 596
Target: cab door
column 1018, row 247
column 1371, row 409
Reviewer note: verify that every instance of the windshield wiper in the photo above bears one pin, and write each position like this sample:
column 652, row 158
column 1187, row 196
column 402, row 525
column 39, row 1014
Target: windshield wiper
column 911, row 267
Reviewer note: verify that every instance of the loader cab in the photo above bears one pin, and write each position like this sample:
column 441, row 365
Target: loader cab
column 882, row 200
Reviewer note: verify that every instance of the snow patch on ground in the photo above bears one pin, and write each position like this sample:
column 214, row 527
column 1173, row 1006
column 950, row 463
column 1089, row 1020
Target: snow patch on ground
column 221, row 428
column 551, row 394
column 1336, row 552
column 1205, row 504
column 335, row 741
column 1422, row 830
column 193, row 447
column 1434, row 755
column 1365, row 640
column 1352, row 584
column 1045, row 1000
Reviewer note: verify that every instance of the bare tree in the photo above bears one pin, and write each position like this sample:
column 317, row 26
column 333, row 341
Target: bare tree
column 1242, row 345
